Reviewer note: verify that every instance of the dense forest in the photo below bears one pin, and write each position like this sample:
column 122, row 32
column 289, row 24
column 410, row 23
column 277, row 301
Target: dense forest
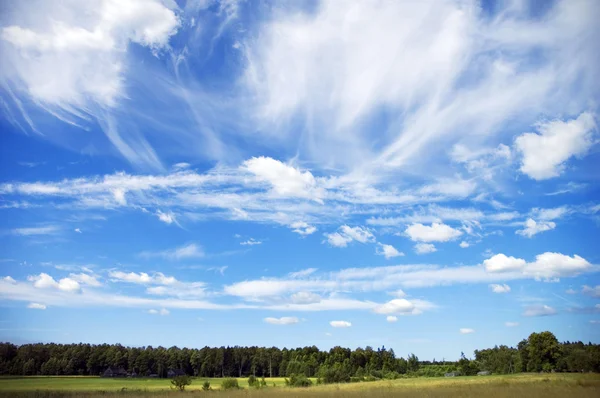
column 540, row 352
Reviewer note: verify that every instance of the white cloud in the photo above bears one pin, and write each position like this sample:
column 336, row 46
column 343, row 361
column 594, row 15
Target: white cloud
column 284, row 320
column 190, row 250
column 555, row 265
column 502, row 263
column 251, row 242
column 302, row 273
column 464, row 244
column 539, row 310
column 44, row 281
column 425, row 248
column 545, row 154
column 340, row 324
column 511, row 324
column 77, row 230
column 466, row 331
column 532, row 227
column 302, row 228
column 305, row 298
column 398, row 293
column 43, row 230
column 70, row 59
column 552, row 213
column 388, row 251
column 86, row 279
column 496, row 288
column 286, row 181
column 36, row 306
column 591, row 291
column 392, row 318
column 162, row 311
column 435, row 233
column 404, row 307
column 571, row 291
column 158, row 278
column 348, row 234
column 167, row 218
column 9, row 279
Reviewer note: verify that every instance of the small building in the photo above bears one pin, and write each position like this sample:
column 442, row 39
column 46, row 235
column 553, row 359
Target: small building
column 114, row 372
column 451, row 374
column 175, row 372
column 483, row 373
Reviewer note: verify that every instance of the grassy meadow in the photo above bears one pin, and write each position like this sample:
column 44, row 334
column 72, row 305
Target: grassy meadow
column 500, row 386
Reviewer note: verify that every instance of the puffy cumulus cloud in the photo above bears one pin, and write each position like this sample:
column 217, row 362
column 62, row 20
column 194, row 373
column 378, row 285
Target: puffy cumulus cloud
column 284, row 320
column 340, row 324
column 403, row 306
column 388, row 251
column 302, row 228
column 191, row 250
column 425, row 248
column 545, row 154
column 9, row 279
column 555, row 265
column 511, row 324
column 546, row 266
column 436, row 232
column 502, row 263
column 591, row 291
column 466, row 331
column 392, row 318
column 44, row 281
column 496, row 288
column 305, row 298
column 348, row 234
column 539, row 310
column 36, row 306
column 142, row 278
column 464, row 244
column 285, row 180
column 532, row 227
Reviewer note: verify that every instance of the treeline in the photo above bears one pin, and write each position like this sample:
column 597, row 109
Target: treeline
column 540, row 352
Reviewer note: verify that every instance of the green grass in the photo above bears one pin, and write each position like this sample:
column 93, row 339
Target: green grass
column 510, row 386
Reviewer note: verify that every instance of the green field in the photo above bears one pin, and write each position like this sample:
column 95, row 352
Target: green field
column 511, row 386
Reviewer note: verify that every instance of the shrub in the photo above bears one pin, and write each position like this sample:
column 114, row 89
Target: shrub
column 392, row 375
column 333, row 375
column 229, row 384
column 354, row 379
column 179, row 382
column 298, row 381
column 263, row 382
column 206, row 386
column 371, row 378
column 252, row 381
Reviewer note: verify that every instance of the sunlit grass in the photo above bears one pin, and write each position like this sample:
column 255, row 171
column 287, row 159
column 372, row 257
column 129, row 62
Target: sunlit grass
column 510, row 386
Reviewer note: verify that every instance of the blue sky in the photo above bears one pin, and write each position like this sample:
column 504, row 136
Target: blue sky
column 419, row 175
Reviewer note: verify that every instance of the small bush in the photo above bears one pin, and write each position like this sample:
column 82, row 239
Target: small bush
column 263, row 382
column 392, row 375
column 298, row 381
column 179, row 382
column 354, row 379
column 230, row 384
column 206, row 386
column 371, row 378
column 252, row 381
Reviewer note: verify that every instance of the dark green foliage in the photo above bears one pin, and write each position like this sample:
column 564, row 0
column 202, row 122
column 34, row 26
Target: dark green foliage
column 298, row 381
column 263, row 382
column 253, row 381
column 540, row 352
column 206, row 386
column 179, row 382
column 229, row 384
